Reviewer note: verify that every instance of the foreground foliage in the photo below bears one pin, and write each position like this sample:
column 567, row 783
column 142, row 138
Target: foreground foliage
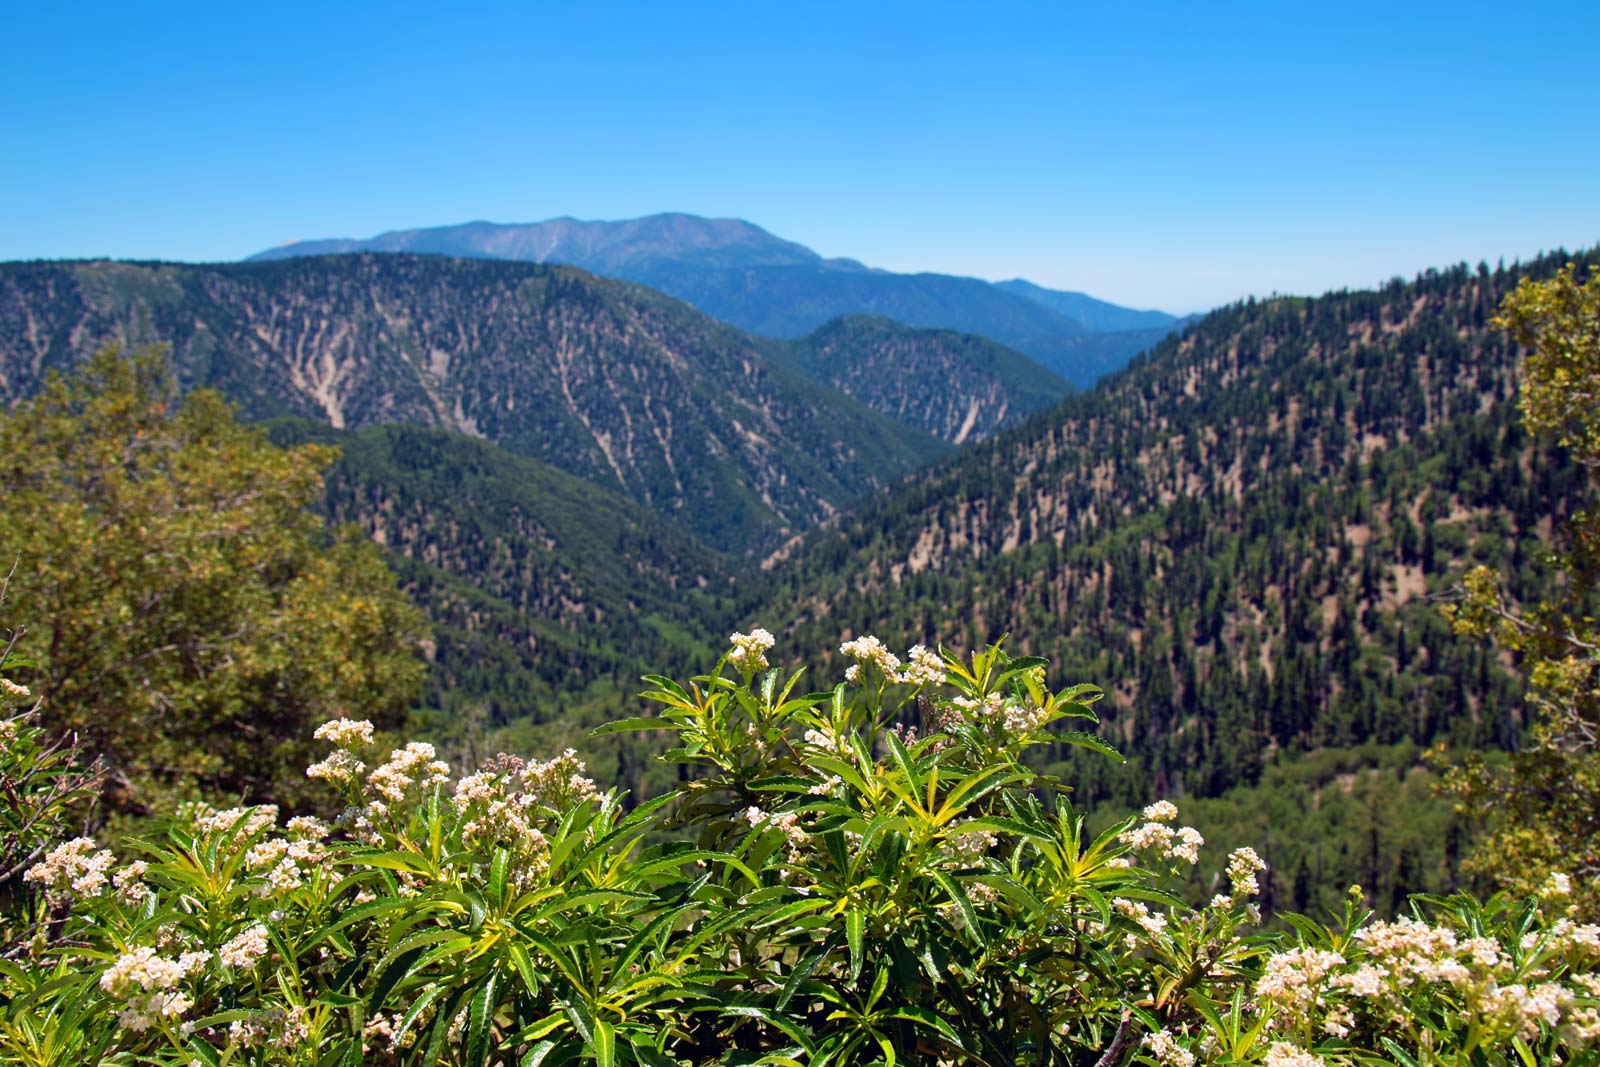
column 1543, row 805
column 863, row 875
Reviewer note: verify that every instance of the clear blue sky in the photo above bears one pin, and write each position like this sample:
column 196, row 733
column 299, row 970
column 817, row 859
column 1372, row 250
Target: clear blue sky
column 1175, row 156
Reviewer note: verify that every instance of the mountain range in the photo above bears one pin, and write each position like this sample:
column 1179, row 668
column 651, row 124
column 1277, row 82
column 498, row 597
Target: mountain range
column 737, row 272
column 1242, row 534
column 622, row 386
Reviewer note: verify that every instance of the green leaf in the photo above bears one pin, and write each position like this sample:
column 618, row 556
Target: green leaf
column 796, row 1033
column 398, row 969
column 418, row 1006
column 802, row 971
column 1404, row 1058
column 439, row 1028
column 1089, row 741
column 902, row 761
column 497, row 875
column 536, row 1055
column 958, row 896
column 855, row 926
column 619, row 726
column 409, row 862
column 1005, row 826
column 581, row 1018
column 931, row 1021
column 604, row 1044
column 480, row 1020
column 522, row 963
column 204, row 1053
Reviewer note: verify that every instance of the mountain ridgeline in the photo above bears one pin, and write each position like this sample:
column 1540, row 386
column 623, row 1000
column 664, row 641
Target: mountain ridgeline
column 734, row 437
column 741, row 274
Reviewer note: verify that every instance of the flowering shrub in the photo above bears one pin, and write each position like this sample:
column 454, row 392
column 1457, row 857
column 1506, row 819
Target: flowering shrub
column 868, row 874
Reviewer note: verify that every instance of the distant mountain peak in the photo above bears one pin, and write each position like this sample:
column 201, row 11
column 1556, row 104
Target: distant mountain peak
column 746, row 276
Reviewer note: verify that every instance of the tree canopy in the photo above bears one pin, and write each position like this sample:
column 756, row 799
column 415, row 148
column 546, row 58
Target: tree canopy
column 1544, row 805
column 191, row 615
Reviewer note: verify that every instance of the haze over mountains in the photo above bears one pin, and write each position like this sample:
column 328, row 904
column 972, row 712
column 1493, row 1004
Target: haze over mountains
column 739, row 273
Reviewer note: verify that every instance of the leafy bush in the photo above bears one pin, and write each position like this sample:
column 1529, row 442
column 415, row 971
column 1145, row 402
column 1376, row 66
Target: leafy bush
column 198, row 620
column 864, row 875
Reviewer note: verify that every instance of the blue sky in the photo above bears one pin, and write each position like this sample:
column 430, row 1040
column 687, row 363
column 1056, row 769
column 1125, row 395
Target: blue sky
column 1175, row 156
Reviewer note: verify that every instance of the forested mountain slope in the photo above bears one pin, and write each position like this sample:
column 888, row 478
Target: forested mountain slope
column 1239, row 534
column 958, row 387
column 539, row 586
column 614, row 383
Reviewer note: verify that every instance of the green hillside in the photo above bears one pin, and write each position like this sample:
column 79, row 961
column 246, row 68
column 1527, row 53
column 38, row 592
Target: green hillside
column 545, row 592
column 1244, row 536
column 958, row 387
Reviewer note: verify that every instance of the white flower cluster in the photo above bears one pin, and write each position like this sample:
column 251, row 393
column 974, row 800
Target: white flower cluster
column 412, row 765
column 285, row 1029
column 968, row 847
column 1293, row 981
column 1243, row 866
column 248, row 821
column 147, row 983
column 243, row 950
column 342, row 765
column 749, row 650
column 1181, row 843
column 1152, row 922
column 308, row 827
column 1281, row 1054
column 830, row 744
column 79, row 866
column 1407, row 955
column 11, row 693
column 1556, row 887
column 1566, row 937
column 1011, row 716
column 285, row 862
column 869, row 652
column 507, row 800
column 345, row 733
column 1166, row 1050
column 84, row 869
column 129, row 884
column 786, row 823
column 923, row 667
column 559, row 782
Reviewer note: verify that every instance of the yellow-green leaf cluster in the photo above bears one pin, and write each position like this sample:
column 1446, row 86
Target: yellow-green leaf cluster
column 1543, row 806
column 196, row 615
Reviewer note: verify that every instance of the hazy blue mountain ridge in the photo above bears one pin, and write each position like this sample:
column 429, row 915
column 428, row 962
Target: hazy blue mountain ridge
column 1092, row 314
